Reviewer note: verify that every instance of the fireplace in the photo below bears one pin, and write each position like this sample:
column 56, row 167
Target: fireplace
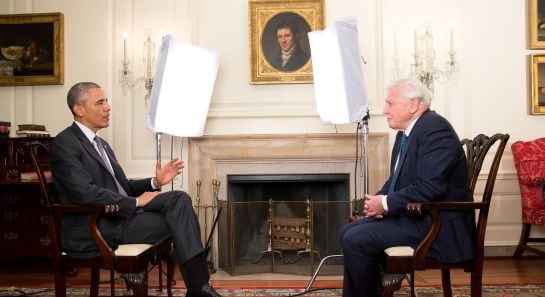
column 254, row 171
column 281, row 222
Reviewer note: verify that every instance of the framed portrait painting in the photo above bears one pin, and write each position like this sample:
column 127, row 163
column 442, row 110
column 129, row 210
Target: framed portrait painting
column 31, row 49
column 536, row 16
column 537, row 86
column 278, row 40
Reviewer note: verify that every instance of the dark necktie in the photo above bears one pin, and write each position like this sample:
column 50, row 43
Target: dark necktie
column 393, row 181
column 108, row 165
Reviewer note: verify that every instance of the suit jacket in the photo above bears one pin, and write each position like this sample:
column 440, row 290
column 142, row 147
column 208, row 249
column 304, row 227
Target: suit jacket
column 296, row 61
column 81, row 177
column 434, row 168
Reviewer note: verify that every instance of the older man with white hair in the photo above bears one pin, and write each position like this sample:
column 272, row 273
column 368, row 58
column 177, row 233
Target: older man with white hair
column 427, row 164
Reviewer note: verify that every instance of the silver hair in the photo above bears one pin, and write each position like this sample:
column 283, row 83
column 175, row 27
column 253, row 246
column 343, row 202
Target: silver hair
column 410, row 88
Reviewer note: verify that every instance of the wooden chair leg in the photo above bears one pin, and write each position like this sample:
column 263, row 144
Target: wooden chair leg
column 170, row 275
column 60, row 280
column 477, row 284
column 160, row 268
column 112, row 283
column 445, row 279
column 411, row 283
column 523, row 240
column 95, row 279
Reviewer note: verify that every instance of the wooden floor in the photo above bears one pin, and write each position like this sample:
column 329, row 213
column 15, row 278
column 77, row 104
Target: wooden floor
column 528, row 270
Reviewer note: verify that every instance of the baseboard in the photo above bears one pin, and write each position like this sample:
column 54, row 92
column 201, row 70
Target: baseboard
column 505, row 251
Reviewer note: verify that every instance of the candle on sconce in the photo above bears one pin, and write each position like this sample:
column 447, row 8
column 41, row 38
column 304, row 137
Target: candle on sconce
column 396, row 56
column 451, row 39
column 125, row 35
column 415, row 43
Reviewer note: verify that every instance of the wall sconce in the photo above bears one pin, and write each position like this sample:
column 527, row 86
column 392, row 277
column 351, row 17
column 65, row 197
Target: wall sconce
column 149, row 62
column 126, row 75
column 423, row 67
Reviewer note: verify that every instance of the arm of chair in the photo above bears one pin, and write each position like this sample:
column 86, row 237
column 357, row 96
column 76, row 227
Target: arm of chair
column 94, row 210
column 433, row 208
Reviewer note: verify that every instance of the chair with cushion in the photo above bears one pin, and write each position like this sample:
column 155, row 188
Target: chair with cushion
column 401, row 262
column 131, row 261
column 529, row 158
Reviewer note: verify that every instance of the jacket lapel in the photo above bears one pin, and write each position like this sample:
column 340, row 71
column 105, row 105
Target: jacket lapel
column 414, row 132
column 90, row 147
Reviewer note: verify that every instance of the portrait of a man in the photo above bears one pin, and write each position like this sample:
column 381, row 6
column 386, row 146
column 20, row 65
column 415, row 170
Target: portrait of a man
column 278, row 38
column 285, row 42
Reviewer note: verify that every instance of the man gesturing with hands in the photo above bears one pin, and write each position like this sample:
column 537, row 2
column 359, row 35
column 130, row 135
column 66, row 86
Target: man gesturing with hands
column 85, row 171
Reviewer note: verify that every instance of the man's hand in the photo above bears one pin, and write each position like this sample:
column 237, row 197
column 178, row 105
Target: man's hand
column 165, row 174
column 145, row 198
column 373, row 206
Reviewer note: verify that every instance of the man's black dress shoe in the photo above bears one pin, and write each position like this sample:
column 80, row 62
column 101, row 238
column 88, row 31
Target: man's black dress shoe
column 205, row 291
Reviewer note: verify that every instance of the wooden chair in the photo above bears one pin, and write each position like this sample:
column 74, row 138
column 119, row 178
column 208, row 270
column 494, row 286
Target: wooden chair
column 529, row 159
column 401, row 262
column 131, row 261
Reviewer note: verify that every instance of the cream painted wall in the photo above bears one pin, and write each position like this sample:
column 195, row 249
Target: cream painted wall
column 490, row 94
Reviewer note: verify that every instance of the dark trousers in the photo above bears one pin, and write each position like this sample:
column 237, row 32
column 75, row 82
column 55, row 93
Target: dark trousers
column 171, row 215
column 363, row 242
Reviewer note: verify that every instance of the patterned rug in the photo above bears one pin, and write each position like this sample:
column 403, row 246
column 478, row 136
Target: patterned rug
column 488, row 291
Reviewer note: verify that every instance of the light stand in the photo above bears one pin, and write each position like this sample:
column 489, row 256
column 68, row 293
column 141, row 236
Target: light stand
column 158, row 137
column 364, row 126
column 158, row 140
column 180, row 94
column 365, row 155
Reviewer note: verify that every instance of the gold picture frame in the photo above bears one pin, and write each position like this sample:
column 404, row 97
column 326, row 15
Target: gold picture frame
column 536, row 16
column 269, row 17
column 537, row 86
column 32, row 49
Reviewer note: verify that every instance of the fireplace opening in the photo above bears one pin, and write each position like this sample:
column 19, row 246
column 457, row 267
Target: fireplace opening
column 282, row 222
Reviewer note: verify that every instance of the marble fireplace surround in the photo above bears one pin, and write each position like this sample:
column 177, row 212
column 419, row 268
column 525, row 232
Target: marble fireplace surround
column 215, row 157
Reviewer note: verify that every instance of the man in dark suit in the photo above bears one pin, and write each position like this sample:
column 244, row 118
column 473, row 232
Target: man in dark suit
column 431, row 167
column 85, row 170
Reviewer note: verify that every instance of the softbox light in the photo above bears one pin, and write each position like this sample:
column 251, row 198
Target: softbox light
column 339, row 88
column 182, row 88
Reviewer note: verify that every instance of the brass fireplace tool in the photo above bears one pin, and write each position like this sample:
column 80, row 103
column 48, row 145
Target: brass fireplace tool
column 215, row 216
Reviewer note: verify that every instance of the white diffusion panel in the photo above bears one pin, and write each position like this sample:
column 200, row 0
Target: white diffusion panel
column 339, row 88
column 182, row 88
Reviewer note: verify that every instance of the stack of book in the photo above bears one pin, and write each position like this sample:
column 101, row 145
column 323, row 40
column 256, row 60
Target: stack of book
column 31, row 130
column 33, row 176
column 4, row 129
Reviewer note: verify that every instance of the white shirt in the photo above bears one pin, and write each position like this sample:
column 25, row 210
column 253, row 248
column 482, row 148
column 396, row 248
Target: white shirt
column 406, row 132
